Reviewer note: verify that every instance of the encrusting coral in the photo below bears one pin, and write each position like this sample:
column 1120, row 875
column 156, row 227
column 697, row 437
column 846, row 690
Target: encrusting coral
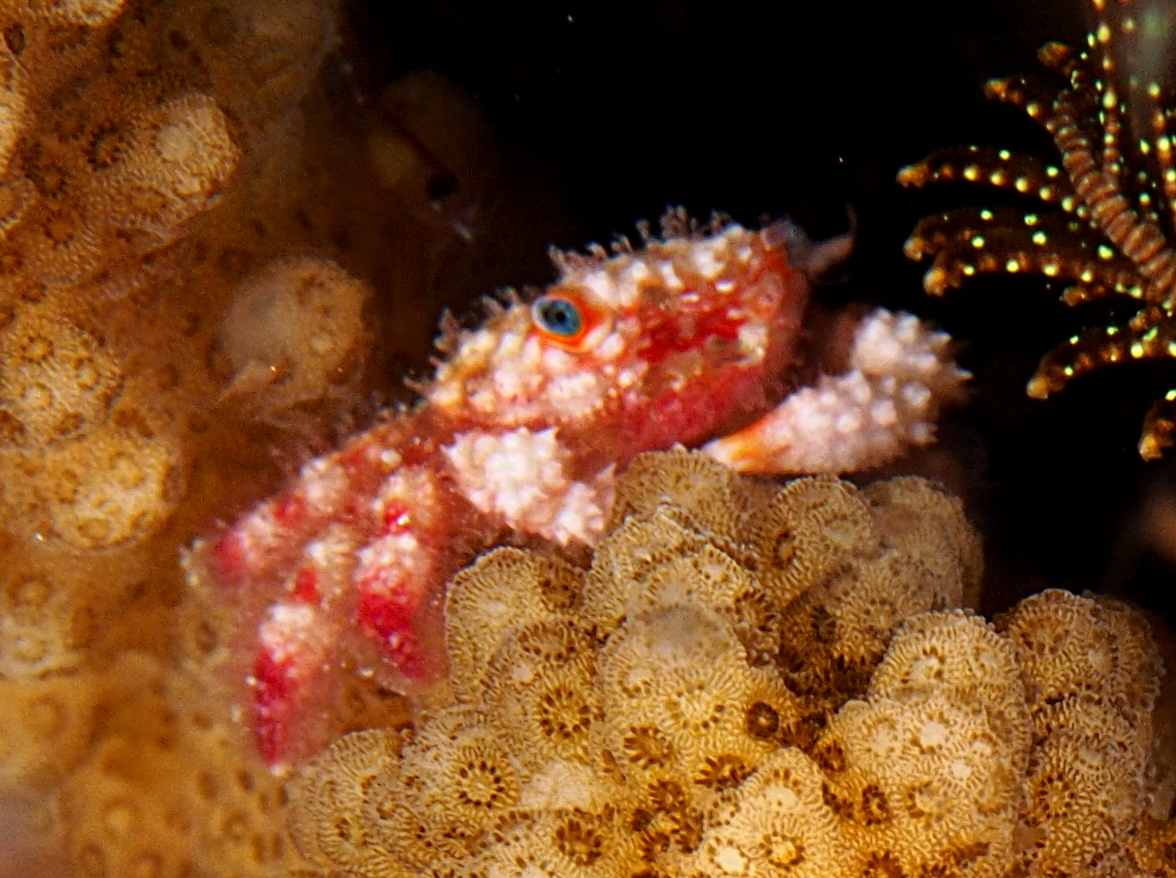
column 147, row 777
column 753, row 680
column 190, row 246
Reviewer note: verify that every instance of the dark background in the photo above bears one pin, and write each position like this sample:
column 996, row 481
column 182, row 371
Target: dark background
column 801, row 111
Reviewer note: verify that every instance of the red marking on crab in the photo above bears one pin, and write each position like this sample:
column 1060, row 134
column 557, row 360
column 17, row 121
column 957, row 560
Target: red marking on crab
column 229, row 556
column 397, row 519
column 306, row 587
column 290, row 510
column 670, row 338
column 391, row 620
column 274, row 685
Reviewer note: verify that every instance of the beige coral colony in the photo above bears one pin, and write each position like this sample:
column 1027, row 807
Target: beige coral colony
column 746, row 677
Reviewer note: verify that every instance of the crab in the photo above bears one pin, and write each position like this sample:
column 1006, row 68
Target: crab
column 694, row 338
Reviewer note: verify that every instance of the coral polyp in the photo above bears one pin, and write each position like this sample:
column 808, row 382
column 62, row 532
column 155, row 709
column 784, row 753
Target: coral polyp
column 1104, row 221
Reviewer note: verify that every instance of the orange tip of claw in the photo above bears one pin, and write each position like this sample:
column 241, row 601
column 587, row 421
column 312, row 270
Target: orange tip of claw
column 742, row 451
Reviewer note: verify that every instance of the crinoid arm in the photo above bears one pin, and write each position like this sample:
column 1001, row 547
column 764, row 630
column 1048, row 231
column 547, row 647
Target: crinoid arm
column 1149, row 335
column 1159, row 427
column 967, row 242
column 999, row 168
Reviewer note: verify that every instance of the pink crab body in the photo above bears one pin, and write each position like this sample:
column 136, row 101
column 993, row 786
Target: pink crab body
column 524, row 427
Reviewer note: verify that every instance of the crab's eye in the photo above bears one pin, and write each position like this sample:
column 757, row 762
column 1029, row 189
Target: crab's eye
column 571, row 320
column 559, row 316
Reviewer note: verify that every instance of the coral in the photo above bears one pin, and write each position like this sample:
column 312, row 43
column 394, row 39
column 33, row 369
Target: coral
column 109, row 487
column 1092, row 693
column 39, row 630
column 190, row 236
column 291, row 330
column 929, row 767
column 144, row 776
column 56, row 378
column 1102, row 221
column 645, row 716
column 544, row 586
column 168, row 790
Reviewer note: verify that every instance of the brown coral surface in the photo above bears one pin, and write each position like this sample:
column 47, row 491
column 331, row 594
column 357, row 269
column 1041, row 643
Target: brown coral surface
column 758, row 681
column 195, row 229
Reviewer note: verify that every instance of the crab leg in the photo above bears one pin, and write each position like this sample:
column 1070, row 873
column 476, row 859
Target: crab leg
column 293, row 641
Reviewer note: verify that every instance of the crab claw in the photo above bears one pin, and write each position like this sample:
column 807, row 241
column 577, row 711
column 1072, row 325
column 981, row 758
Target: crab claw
column 900, row 375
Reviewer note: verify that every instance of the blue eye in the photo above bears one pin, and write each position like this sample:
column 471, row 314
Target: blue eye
column 558, row 316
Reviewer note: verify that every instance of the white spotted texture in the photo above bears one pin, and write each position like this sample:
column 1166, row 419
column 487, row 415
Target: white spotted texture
column 521, row 475
column 900, row 374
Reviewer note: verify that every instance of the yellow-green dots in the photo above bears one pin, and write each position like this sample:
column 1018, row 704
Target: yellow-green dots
column 978, row 242
column 1051, row 171
column 1105, row 252
column 1022, row 184
column 986, row 215
column 1172, row 349
column 1074, row 339
column 1170, row 396
column 1068, row 371
column 1031, row 219
column 998, row 177
column 1137, row 350
column 1112, row 330
column 1040, row 238
column 1012, row 266
column 969, row 270
column 1151, row 335
column 1145, row 146
column 1050, row 269
column 1069, row 203
column 972, row 173
column 1005, row 155
column 1087, row 276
